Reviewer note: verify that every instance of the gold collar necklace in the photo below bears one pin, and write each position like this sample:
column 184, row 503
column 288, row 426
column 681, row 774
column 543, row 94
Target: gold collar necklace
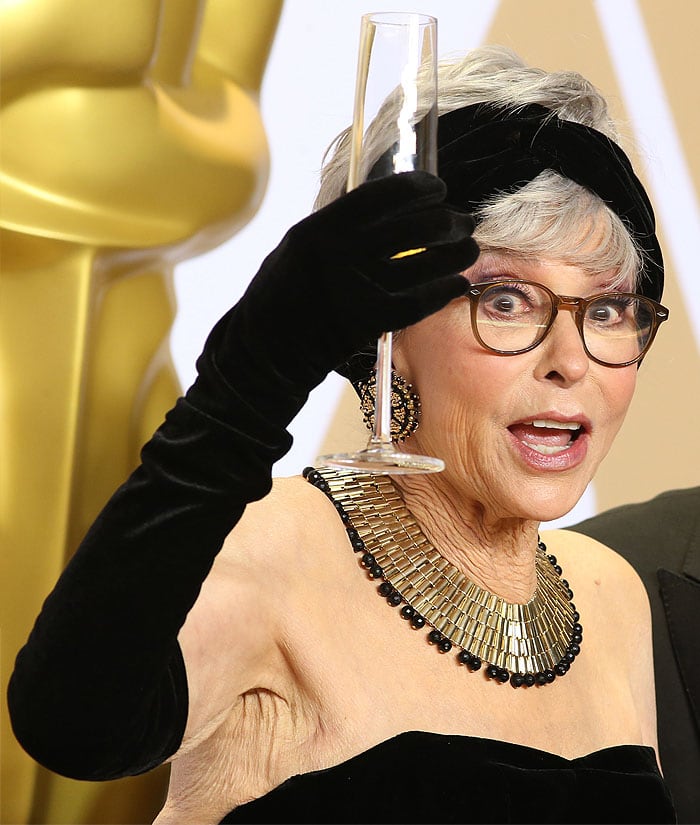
column 526, row 644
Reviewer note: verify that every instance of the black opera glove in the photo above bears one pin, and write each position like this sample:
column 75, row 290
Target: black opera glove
column 100, row 690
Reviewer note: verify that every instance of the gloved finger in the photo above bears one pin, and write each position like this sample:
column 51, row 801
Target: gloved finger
column 391, row 195
column 410, row 307
column 369, row 206
column 421, row 228
column 410, row 271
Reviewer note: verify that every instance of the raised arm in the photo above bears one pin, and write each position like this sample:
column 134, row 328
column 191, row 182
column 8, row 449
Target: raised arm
column 100, row 689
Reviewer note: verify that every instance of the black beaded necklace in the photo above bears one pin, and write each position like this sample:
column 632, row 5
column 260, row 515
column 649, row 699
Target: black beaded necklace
column 524, row 644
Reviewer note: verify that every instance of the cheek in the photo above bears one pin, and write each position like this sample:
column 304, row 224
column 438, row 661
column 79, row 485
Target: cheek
column 458, row 380
column 619, row 391
column 616, row 393
column 436, row 348
column 462, row 390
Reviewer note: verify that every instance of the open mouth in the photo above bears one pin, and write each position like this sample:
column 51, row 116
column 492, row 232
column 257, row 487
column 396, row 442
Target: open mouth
column 547, row 437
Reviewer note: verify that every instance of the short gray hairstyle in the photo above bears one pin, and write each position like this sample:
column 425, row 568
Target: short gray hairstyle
column 551, row 216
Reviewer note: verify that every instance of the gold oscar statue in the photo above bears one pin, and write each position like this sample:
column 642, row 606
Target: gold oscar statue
column 131, row 140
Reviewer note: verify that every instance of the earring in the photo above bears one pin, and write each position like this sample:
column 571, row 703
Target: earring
column 405, row 405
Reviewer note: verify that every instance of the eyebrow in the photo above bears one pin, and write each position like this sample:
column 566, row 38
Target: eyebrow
column 482, row 270
column 510, row 262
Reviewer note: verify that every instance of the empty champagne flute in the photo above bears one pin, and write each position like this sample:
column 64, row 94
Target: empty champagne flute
column 396, row 95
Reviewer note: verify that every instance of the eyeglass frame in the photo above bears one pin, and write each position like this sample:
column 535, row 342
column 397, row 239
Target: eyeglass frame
column 576, row 305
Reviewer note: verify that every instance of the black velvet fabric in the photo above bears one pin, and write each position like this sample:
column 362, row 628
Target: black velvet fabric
column 432, row 778
column 485, row 150
column 99, row 690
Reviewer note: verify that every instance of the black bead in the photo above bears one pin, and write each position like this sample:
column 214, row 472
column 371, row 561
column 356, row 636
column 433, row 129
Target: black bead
column 434, row 637
column 541, row 678
column 464, row 658
column 576, row 638
column 375, row 572
column 577, row 629
column 549, row 676
column 552, row 558
column 565, row 582
column 407, row 612
column 574, row 648
column 445, row 646
column 394, row 599
column 577, row 615
column 503, row 675
column 569, row 656
column 352, row 533
column 358, row 545
column 368, row 560
column 417, row 621
column 344, row 517
column 558, row 569
column 529, row 679
column 305, row 472
column 385, row 589
column 560, row 670
column 569, row 594
column 475, row 663
column 492, row 672
column 517, row 679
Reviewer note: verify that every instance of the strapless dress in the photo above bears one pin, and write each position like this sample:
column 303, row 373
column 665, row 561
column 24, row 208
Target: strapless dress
column 433, row 778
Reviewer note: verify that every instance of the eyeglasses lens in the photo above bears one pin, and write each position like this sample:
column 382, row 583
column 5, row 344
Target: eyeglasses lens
column 514, row 316
column 616, row 328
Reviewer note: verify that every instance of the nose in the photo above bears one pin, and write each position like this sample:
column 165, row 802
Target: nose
column 563, row 358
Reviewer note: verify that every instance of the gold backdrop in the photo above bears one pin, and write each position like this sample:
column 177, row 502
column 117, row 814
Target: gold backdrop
column 131, row 140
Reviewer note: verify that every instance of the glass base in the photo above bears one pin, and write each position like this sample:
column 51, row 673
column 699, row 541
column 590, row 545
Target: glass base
column 382, row 459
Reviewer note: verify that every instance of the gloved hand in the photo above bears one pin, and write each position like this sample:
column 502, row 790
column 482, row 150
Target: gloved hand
column 99, row 690
column 333, row 285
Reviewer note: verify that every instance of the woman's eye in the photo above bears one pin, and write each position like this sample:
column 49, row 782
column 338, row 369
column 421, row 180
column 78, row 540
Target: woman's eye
column 609, row 312
column 601, row 313
column 508, row 302
column 504, row 303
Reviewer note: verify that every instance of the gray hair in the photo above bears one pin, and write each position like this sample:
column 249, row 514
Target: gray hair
column 550, row 216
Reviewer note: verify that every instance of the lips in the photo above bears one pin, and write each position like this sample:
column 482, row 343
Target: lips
column 553, row 443
column 546, row 436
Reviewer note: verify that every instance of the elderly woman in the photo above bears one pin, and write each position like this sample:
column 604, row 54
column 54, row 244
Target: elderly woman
column 357, row 648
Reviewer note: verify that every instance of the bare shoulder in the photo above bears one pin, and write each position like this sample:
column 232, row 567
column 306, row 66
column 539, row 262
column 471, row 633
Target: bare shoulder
column 608, row 593
column 231, row 639
column 292, row 514
column 595, row 566
column 616, row 616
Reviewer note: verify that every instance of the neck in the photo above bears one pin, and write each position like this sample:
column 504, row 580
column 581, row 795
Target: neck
column 496, row 553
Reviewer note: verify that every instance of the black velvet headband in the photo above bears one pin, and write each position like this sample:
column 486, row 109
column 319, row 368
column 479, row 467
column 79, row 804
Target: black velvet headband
column 484, row 150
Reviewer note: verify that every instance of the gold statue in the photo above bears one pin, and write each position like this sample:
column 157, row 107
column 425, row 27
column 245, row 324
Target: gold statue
column 131, row 140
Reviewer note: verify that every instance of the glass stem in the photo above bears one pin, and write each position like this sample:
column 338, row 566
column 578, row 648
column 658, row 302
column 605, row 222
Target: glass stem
column 382, row 407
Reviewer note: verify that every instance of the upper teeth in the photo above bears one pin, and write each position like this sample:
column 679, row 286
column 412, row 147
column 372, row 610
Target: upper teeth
column 556, row 425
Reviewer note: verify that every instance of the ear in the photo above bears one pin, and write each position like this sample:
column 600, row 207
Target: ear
column 401, row 354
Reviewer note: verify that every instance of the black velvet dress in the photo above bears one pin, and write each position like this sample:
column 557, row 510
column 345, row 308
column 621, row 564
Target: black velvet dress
column 429, row 777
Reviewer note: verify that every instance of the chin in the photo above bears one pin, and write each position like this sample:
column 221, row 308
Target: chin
column 551, row 503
